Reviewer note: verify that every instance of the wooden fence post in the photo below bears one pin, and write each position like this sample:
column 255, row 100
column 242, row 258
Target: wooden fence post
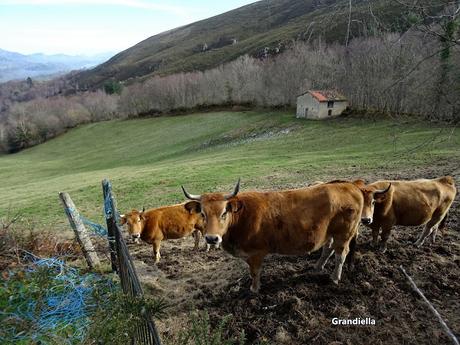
column 110, row 218
column 80, row 231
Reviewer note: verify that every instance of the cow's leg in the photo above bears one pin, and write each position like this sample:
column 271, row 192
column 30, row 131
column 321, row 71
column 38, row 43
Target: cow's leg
column 156, row 250
column 426, row 232
column 197, row 236
column 208, row 246
column 375, row 234
column 255, row 266
column 433, row 234
column 325, row 255
column 386, row 231
column 340, row 256
column 432, row 226
column 430, row 229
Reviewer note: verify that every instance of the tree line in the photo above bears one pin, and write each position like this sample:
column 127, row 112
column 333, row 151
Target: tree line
column 390, row 73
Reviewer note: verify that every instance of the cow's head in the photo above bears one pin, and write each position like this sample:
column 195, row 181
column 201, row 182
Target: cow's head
column 372, row 196
column 217, row 210
column 134, row 222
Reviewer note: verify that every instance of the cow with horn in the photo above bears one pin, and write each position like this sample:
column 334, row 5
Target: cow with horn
column 251, row 225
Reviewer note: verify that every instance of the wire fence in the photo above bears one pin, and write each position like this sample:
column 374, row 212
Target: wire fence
column 146, row 332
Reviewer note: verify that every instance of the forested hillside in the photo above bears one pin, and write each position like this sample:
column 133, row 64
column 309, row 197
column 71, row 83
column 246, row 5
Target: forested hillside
column 259, row 29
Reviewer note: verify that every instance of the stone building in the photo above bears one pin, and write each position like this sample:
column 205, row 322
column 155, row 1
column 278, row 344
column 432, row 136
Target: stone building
column 320, row 104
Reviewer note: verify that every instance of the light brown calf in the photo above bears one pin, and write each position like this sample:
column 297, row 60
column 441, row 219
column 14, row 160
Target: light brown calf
column 164, row 223
column 409, row 203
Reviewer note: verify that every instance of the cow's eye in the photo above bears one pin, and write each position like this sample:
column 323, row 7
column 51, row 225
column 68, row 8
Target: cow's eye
column 224, row 215
column 203, row 215
column 373, row 202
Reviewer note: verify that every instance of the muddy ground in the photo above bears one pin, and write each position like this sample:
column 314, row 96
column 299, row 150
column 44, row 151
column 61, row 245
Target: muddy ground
column 296, row 305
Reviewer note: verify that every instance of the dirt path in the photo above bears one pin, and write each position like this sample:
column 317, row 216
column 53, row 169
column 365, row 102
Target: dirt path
column 297, row 305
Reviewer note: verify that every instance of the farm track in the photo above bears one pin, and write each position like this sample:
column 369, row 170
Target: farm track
column 296, row 305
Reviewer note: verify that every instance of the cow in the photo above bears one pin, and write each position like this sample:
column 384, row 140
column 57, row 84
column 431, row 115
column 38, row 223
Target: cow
column 164, row 223
column 407, row 203
column 251, row 225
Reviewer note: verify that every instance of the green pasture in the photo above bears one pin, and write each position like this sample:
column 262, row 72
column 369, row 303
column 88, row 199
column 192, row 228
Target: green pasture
column 148, row 159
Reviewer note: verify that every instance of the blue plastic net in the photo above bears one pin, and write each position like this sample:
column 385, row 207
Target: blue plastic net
column 61, row 314
column 96, row 228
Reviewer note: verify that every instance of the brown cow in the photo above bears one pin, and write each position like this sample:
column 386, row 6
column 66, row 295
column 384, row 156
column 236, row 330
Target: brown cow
column 410, row 203
column 251, row 225
column 164, row 223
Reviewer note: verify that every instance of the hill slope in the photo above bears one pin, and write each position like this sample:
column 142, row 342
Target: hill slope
column 148, row 159
column 246, row 30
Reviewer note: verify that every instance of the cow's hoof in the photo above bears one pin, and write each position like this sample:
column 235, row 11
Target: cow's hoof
column 254, row 289
column 318, row 268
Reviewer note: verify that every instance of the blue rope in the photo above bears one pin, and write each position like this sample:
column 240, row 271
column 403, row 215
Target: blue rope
column 108, row 204
column 67, row 303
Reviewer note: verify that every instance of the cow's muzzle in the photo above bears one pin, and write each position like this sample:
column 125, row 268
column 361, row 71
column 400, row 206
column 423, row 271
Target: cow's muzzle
column 366, row 221
column 213, row 239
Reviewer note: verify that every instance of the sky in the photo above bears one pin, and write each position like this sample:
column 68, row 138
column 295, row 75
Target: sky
column 89, row 27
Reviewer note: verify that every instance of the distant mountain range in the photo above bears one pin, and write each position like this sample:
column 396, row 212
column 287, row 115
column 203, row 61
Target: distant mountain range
column 259, row 29
column 18, row 66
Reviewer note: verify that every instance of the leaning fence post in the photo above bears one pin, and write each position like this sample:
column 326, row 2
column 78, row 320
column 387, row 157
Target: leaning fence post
column 110, row 218
column 80, row 230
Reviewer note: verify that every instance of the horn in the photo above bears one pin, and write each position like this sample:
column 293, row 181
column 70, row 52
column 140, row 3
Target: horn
column 235, row 191
column 122, row 216
column 143, row 209
column 383, row 191
column 196, row 197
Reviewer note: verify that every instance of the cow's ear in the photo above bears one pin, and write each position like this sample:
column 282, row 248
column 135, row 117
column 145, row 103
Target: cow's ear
column 122, row 219
column 234, row 206
column 380, row 197
column 193, row 207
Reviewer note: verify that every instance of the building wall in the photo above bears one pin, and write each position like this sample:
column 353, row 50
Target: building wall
column 304, row 102
column 336, row 110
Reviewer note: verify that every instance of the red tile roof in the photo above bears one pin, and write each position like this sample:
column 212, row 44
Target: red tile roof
column 327, row 95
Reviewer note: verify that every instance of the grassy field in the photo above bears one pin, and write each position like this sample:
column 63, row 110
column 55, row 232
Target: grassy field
column 148, row 159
